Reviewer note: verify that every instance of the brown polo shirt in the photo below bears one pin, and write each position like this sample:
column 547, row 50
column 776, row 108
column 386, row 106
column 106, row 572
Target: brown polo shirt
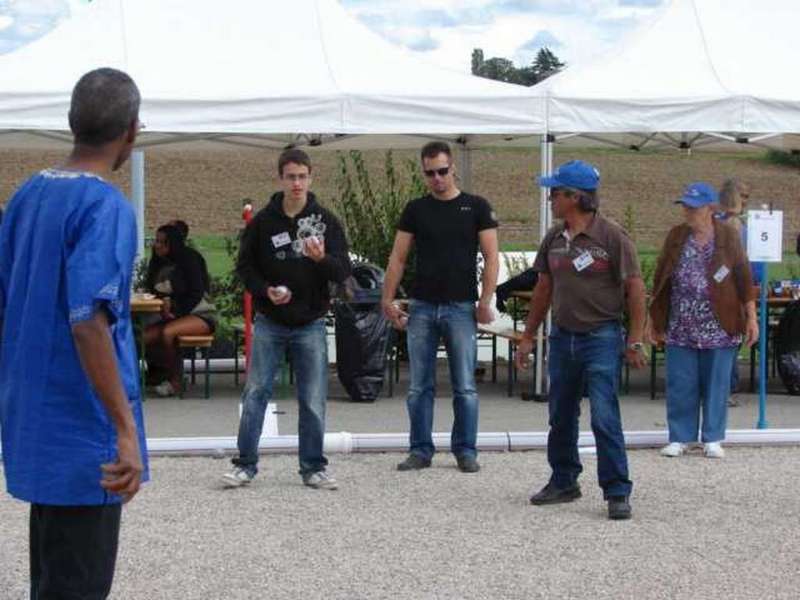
column 588, row 273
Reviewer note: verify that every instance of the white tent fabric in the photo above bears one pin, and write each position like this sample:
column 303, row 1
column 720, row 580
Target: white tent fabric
column 253, row 67
column 700, row 66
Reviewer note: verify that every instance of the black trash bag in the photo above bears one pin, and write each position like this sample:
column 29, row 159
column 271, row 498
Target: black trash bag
column 787, row 348
column 362, row 335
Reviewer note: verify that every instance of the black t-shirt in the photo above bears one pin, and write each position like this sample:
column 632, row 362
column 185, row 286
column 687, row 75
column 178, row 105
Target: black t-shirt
column 446, row 237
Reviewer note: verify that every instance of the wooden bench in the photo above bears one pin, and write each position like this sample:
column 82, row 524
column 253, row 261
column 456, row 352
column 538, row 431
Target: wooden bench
column 193, row 343
column 513, row 337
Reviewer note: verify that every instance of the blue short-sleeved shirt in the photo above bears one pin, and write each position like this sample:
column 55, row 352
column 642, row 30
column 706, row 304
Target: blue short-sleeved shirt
column 67, row 246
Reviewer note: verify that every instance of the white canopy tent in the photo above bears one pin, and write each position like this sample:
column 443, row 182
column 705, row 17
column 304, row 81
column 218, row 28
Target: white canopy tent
column 252, row 73
column 702, row 66
column 253, row 67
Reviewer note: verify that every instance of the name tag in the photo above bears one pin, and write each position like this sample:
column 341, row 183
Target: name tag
column 583, row 261
column 721, row 273
column 281, row 239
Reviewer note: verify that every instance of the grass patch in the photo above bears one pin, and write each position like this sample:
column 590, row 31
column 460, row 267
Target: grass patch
column 518, row 247
column 213, row 248
column 219, row 263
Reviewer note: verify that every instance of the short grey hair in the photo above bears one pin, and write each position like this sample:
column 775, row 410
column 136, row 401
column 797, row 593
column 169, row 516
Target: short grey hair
column 588, row 200
column 105, row 102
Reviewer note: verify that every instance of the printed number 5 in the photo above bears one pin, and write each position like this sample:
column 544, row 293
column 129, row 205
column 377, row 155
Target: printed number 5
column 764, row 236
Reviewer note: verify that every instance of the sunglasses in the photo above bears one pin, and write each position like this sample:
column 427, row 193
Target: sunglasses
column 440, row 172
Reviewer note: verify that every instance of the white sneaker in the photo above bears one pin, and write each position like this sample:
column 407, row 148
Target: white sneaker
column 713, row 450
column 164, row 389
column 320, row 481
column 673, row 449
column 237, row 477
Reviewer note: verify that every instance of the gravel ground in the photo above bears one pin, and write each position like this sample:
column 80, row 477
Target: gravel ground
column 701, row 528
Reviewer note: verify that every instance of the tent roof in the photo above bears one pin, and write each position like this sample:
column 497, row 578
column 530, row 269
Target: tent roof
column 253, row 67
column 700, row 66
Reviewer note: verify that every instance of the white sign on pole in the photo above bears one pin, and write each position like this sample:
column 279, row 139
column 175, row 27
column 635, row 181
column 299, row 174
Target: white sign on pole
column 765, row 235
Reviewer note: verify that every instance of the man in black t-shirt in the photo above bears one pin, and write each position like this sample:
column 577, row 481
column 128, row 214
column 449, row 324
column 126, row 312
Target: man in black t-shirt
column 448, row 227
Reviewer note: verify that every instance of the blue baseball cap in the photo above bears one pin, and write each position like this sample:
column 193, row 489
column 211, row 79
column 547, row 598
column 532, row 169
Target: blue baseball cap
column 573, row 174
column 698, row 194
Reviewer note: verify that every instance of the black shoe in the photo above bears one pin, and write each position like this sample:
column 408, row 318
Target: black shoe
column 414, row 462
column 550, row 494
column 468, row 464
column 619, row 508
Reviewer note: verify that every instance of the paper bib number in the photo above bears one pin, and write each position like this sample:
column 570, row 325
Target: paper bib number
column 765, row 235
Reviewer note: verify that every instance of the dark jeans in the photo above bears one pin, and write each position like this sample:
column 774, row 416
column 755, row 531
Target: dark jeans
column 590, row 360
column 73, row 551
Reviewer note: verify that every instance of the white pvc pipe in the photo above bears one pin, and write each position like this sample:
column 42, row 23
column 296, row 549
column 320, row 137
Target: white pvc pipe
column 345, row 442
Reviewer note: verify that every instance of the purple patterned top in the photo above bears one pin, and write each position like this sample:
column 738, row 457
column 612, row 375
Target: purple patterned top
column 692, row 323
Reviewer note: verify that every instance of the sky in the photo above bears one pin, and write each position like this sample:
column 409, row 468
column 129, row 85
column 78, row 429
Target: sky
column 442, row 31
column 446, row 31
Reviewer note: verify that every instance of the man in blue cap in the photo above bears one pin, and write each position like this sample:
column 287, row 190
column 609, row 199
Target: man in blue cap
column 587, row 267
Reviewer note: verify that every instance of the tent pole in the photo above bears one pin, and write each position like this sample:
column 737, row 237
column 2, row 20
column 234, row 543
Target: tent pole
column 546, row 167
column 549, row 209
column 138, row 198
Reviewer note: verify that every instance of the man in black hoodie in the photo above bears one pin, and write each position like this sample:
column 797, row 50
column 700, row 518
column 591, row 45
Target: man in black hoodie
column 291, row 250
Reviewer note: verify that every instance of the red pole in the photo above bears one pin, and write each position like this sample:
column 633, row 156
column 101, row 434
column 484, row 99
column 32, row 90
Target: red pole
column 247, row 304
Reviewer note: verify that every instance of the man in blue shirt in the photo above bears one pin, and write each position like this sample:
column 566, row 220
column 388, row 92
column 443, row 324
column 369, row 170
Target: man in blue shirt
column 70, row 409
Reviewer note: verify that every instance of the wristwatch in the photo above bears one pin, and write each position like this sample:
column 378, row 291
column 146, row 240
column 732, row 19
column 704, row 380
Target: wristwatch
column 637, row 346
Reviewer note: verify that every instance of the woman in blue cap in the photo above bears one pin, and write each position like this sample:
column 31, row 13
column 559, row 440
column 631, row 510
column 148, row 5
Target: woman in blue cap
column 703, row 307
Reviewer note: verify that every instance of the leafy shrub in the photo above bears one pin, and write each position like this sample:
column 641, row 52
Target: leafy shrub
column 369, row 210
column 781, row 157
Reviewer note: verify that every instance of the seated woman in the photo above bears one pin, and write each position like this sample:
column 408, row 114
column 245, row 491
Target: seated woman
column 177, row 276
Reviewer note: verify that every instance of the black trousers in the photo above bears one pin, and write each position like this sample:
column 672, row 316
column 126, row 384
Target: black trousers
column 73, row 551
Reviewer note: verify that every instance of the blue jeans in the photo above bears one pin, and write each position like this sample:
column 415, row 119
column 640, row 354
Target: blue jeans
column 427, row 323
column 698, row 379
column 308, row 348
column 590, row 360
column 735, row 372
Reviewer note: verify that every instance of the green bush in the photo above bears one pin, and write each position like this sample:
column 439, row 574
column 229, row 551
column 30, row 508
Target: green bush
column 369, row 210
column 227, row 291
column 781, row 157
column 647, row 265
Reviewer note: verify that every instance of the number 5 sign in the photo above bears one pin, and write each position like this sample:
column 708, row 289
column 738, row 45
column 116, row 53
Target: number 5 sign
column 765, row 235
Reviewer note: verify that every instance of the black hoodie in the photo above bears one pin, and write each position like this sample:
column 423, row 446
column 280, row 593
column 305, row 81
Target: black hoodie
column 271, row 254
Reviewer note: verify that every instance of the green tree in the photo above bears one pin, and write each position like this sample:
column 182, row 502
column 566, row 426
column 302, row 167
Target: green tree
column 546, row 64
column 503, row 69
column 477, row 61
column 499, row 69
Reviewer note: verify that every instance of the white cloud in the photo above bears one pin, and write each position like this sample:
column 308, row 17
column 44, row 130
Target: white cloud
column 23, row 21
column 448, row 30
